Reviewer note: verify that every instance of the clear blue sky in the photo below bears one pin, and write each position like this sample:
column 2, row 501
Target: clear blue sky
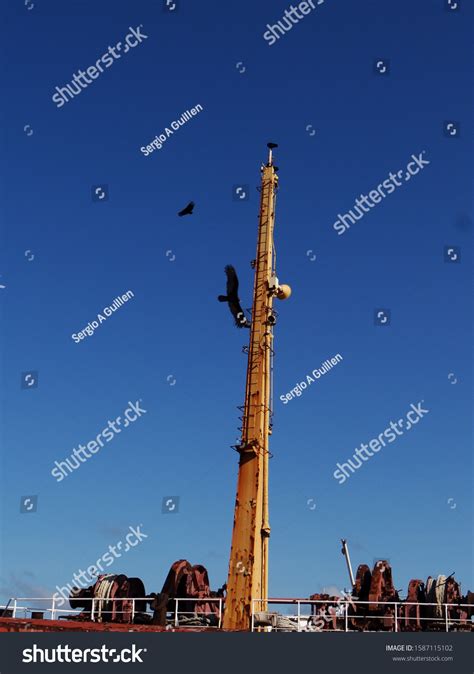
column 87, row 253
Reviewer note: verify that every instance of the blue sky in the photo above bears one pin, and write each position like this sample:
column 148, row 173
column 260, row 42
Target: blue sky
column 86, row 253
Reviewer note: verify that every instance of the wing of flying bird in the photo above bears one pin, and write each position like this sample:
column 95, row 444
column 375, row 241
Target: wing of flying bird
column 232, row 298
column 187, row 210
column 232, row 283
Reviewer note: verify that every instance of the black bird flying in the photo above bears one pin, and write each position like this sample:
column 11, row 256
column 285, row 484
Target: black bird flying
column 187, row 210
column 232, row 298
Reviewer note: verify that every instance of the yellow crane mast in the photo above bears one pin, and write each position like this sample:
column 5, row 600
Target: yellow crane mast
column 248, row 566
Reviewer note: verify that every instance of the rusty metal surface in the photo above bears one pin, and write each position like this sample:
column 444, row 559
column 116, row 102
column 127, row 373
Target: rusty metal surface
column 186, row 581
column 113, row 595
column 362, row 582
column 381, row 585
column 26, row 625
column 413, row 613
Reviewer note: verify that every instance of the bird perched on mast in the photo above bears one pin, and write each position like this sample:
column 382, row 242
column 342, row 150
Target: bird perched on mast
column 232, row 298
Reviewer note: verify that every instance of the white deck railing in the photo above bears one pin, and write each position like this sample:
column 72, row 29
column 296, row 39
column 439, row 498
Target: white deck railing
column 338, row 613
column 23, row 607
column 335, row 617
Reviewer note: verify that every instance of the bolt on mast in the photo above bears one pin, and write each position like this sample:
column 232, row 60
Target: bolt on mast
column 248, row 566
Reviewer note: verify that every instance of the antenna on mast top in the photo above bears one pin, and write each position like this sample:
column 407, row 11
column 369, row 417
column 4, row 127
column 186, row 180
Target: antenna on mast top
column 271, row 146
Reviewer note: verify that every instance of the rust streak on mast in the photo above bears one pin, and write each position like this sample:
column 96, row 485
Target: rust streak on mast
column 248, row 566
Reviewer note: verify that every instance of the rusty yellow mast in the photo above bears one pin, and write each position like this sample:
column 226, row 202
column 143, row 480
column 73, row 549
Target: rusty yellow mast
column 248, row 567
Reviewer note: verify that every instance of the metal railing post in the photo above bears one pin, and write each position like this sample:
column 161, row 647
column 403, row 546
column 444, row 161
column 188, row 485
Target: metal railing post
column 176, row 624
column 133, row 610
column 14, row 609
column 446, row 617
column 395, row 617
column 299, row 616
column 92, row 610
column 53, row 609
column 220, row 614
column 346, row 617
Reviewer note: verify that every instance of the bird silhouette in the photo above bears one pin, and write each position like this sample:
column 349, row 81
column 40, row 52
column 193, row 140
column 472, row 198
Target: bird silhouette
column 232, row 298
column 187, row 210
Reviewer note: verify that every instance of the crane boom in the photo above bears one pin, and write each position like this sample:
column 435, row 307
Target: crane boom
column 248, row 566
